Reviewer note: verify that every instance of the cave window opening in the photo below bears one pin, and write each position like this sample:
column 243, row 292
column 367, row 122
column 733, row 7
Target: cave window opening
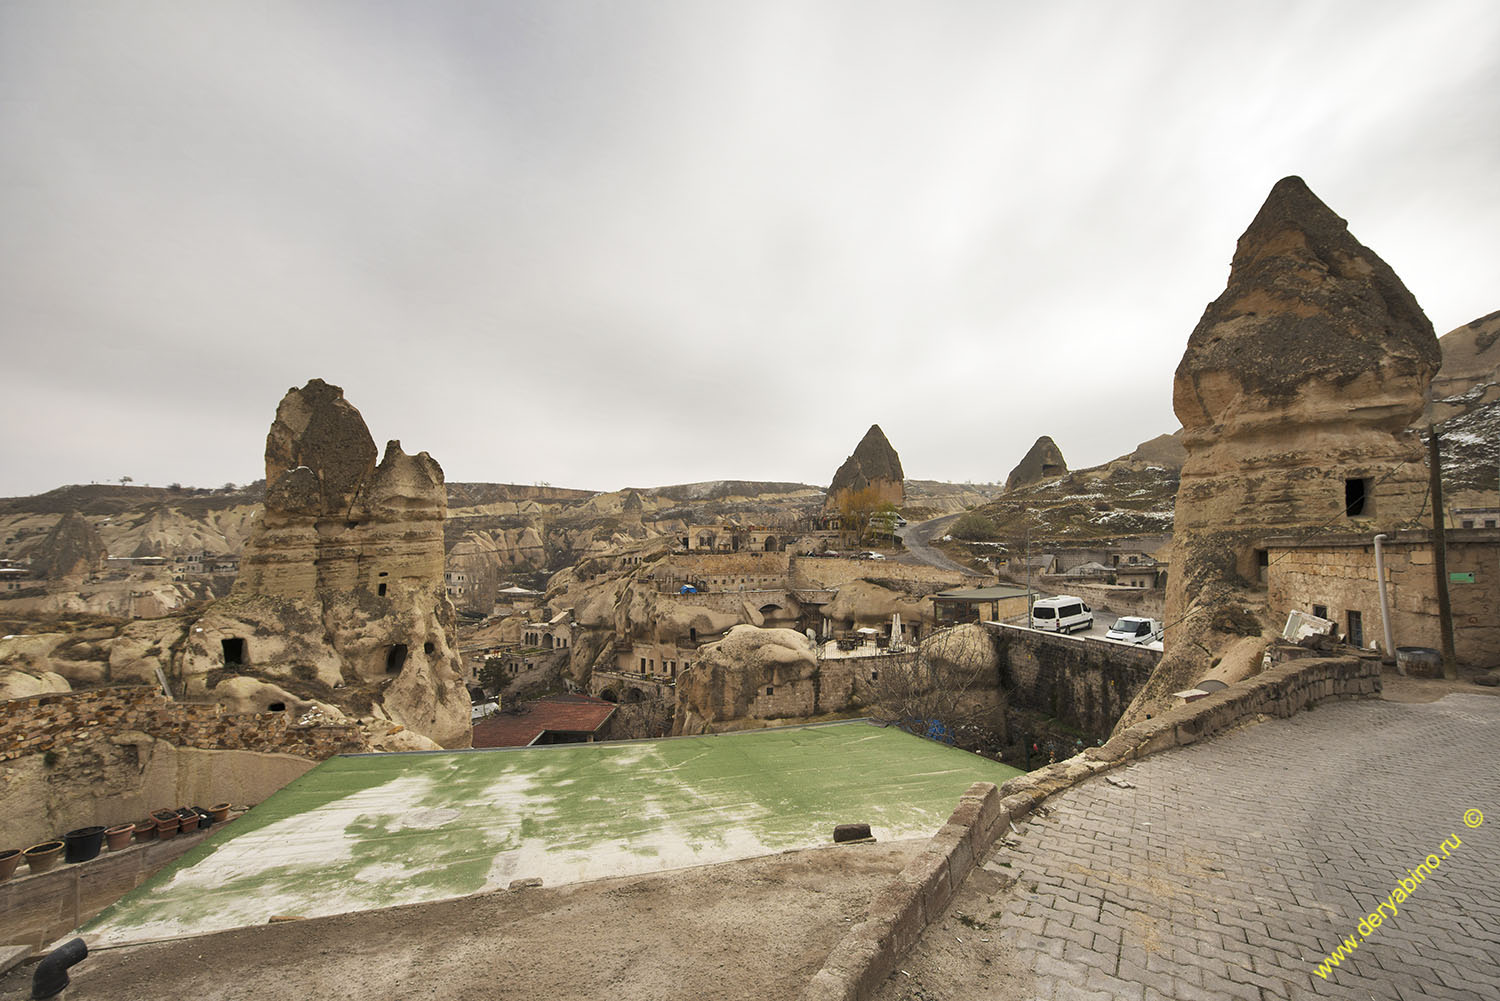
column 381, row 589
column 1356, row 497
column 276, row 707
column 770, row 690
column 1321, row 611
column 395, row 659
column 234, row 651
column 428, row 647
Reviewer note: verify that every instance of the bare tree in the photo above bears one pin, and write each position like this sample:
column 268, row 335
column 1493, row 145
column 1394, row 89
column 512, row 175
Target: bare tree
column 947, row 689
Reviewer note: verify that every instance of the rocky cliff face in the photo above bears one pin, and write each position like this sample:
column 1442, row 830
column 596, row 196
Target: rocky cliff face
column 340, row 591
column 1043, row 461
column 873, row 466
column 1296, row 395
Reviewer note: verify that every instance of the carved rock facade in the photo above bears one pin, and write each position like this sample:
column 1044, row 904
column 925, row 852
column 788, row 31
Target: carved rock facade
column 340, row 598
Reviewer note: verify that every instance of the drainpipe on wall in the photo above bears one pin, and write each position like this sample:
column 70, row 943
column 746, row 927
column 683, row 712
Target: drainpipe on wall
column 1385, row 605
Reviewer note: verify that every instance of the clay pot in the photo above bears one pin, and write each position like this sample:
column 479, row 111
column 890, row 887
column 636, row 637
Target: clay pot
column 119, row 836
column 145, row 830
column 220, row 812
column 9, row 859
column 187, row 819
column 167, row 822
column 84, row 843
column 43, row 856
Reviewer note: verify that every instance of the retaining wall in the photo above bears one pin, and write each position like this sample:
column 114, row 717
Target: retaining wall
column 41, row 723
column 896, row 917
column 1085, row 683
column 38, row 910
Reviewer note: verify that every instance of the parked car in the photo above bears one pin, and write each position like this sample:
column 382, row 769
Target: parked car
column 871, row 556
column 1134, row 629
column 1062, row 614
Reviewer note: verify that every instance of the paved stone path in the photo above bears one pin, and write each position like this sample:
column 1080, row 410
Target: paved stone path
column 1233, row 868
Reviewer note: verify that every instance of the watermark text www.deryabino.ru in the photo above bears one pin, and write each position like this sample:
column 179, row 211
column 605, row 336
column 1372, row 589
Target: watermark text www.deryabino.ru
column 1404, row 888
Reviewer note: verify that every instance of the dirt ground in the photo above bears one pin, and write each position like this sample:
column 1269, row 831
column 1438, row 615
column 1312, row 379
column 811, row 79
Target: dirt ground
column 754, row 929
column 963, row 957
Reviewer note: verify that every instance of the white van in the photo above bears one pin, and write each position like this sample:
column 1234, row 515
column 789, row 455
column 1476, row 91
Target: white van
column 1062, row 614
column 1134, row 629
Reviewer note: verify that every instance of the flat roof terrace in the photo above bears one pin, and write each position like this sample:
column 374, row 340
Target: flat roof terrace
column 371, row 831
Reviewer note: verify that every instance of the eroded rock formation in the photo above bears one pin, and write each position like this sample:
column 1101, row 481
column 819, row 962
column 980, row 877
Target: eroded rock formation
column 71, row 549
column 340, row 597
column 874, row 466
column 1043, row 461
column 1296, row 394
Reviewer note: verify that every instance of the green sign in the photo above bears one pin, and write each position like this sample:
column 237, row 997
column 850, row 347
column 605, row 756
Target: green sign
column 1461, row 578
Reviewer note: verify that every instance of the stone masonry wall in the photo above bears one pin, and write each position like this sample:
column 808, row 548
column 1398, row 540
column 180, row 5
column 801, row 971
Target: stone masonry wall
column 831, row 571
column 1339, row 574
column 1147, row 601
column 41, row 723
column 1085, row 683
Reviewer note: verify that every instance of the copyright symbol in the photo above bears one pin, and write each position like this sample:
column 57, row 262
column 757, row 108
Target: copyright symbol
column 1473, row 818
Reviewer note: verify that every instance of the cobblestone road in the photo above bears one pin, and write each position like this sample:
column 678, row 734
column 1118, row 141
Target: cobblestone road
column 1232, row 868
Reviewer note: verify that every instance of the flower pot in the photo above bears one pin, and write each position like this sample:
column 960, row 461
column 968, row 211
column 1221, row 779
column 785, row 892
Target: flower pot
column 145, row 830
column 83, row 843
column 167, row 822
column 220, row 812
column 9, row 859
column 43, row 856
column 205, row 819
column 119, row 836
column 187, row 819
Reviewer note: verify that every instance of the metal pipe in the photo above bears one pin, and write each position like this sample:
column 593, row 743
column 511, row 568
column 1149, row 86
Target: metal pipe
column 1385, row 605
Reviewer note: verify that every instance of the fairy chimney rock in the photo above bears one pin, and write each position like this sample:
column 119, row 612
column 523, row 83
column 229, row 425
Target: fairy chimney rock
column 342, row 578
column 1044, row 461
column 873, row 466
column 1297, row 394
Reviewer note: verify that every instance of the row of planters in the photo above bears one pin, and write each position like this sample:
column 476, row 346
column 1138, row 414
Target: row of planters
column 87, row 842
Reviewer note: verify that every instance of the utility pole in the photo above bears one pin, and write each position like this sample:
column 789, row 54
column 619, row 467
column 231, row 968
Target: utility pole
column 1440, row 552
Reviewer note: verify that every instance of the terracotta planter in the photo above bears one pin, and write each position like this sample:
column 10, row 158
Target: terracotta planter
column 119, row 836
column 145, row 830
column 187, row 819
column 83, row 843
column 166, row 824
column 220, row 812
column 44, row 856
column 9, row 859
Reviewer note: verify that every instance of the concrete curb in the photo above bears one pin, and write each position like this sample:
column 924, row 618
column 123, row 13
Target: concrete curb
column 899, row 913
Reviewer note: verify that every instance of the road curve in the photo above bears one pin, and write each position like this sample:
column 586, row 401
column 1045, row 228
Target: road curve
column 917, row 538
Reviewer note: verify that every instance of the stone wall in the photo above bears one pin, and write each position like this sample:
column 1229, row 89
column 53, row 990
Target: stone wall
column 1084, row 683
column 53, row 721
column 36, row 910
column 1338, row 573
column 832, row 571
column 1146, row 601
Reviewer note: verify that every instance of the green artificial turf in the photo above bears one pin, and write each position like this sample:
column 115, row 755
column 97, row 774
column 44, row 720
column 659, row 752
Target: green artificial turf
column 376, row 830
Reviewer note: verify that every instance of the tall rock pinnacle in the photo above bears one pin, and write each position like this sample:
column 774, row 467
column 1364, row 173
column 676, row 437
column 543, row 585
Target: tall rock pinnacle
column 1296, row 393
column 874, row 464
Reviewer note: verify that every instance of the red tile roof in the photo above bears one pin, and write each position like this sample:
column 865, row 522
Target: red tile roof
column 572, row 714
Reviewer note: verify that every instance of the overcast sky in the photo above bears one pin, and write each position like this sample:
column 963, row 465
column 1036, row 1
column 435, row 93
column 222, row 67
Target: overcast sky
column 631, row 244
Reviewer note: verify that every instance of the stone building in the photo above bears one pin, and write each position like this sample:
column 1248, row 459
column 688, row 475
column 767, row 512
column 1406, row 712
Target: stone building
column 1333, row 577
